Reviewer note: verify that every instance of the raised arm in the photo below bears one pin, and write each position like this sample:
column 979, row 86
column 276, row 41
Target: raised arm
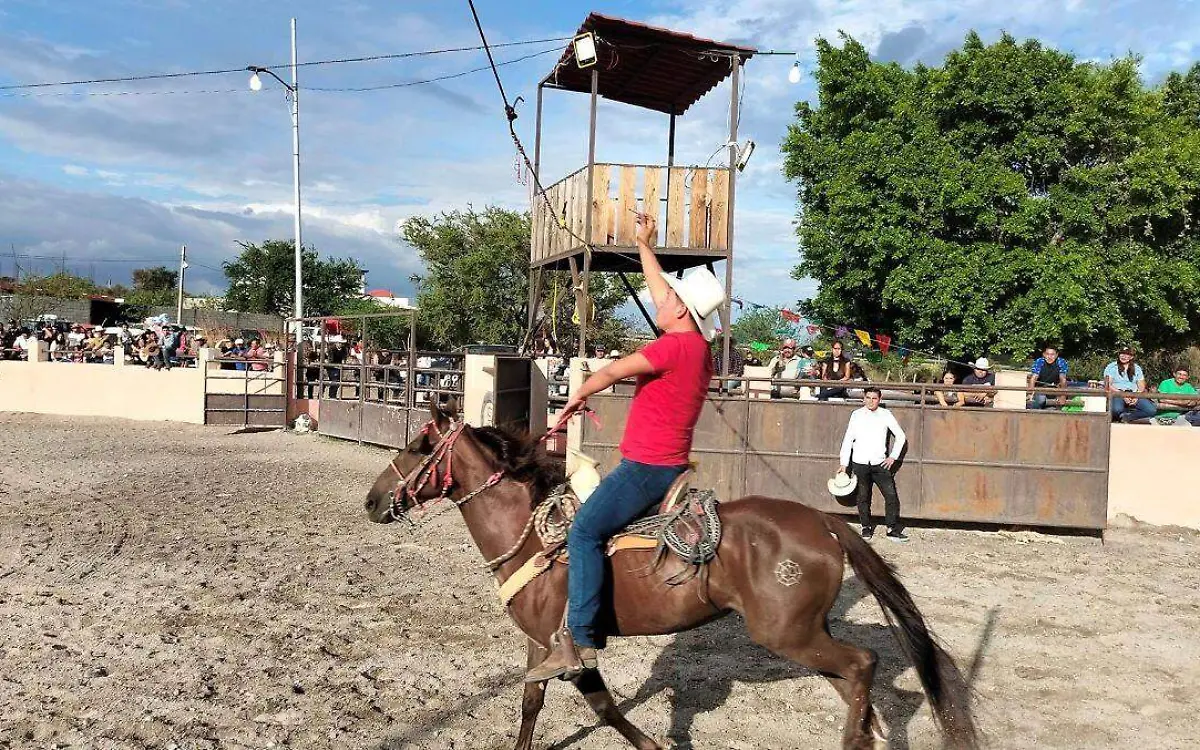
column 651, row 268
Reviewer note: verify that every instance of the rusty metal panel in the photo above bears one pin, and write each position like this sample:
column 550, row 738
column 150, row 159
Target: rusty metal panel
column 384, row 425
column 339, row 419
column 967, row 465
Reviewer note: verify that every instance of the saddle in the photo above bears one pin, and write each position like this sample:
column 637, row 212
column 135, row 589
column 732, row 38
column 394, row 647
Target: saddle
column 685, row 524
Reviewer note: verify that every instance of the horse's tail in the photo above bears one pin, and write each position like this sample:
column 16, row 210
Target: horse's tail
column 947, row 691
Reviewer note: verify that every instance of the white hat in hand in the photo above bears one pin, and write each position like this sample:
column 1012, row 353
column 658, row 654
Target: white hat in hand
column 842, row 484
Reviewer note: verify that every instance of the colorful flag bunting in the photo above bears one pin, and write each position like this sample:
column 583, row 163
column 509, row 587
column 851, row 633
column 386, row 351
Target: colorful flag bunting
column 814, row 330
column 842, row 332
column 885, row 342
column 863, row 336
column 789, row 316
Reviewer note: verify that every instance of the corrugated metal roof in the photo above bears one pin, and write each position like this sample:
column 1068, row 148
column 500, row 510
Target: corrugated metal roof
column 647, row 66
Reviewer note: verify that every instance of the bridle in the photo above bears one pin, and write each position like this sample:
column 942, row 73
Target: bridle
column 426, row 473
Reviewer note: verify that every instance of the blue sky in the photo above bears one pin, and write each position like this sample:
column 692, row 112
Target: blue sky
column 114, row 182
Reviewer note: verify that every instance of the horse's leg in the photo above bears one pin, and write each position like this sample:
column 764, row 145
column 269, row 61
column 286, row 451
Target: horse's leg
column 595, row 692
column 874, row 717
column 850, row 670
column 532, row 699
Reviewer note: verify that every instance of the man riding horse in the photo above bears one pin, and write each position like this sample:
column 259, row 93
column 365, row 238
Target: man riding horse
column 673, row 375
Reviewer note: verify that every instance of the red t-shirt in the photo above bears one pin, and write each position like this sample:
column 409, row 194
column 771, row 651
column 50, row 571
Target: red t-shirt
column 667, row 403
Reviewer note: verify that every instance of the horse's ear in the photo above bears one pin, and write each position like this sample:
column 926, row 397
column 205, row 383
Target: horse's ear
column 443, row 414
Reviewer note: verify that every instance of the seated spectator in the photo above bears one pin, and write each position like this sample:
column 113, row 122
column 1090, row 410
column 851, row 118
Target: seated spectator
column 948, row 398
column 76, row 337
column 237, row 351
column 785, row 366
column 1048, row 371
column 23, row 343
column 809, row 366
column 93, row 348
column 834, row 367
column 1125, row 376
column 980, row 375
column 1170, row 411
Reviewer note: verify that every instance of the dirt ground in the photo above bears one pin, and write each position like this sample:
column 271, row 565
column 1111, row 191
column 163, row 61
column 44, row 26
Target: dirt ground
column 171, row 586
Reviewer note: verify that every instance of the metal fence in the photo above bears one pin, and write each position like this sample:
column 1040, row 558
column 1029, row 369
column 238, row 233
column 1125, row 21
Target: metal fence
column 969, row 464
column 237, row 394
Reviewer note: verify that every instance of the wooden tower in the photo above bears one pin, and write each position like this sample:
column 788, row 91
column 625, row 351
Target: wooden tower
column 587, row 224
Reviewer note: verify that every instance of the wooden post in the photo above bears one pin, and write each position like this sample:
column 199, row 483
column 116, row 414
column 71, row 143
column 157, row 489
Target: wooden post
column 727, row 310
column 537, row 140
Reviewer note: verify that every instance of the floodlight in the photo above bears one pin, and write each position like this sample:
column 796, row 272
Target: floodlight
column 255, row 82
column 585, row 49
column 743, row 154
column 794, row 73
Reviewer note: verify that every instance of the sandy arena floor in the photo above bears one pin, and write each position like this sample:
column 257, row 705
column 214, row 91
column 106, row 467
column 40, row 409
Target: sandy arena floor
column 168, row 586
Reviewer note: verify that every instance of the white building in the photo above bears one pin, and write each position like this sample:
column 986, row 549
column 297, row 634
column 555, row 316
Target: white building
column 385, row 297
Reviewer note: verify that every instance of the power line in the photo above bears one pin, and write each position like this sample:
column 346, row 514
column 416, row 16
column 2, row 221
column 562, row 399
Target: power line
column 447, row 77
column 242, row 68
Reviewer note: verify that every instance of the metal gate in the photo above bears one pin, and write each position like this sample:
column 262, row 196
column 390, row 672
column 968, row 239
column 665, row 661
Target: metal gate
column 235, row 393
column 1038, row 468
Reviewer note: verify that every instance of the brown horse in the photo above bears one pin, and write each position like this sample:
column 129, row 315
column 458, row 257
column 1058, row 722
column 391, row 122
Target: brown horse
column 779, row 564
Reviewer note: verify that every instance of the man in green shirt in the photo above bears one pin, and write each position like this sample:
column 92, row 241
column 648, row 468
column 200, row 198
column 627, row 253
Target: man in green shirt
column 1169, row 409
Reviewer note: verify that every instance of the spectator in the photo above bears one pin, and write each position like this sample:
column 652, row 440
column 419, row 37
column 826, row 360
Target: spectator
column 76, row 337
column 23, row 343
column 93, row 348
column 948, row 398
column 1126, row 376
column 335, row 357
column 238, row 351
column 980, row 375
column 785, row 366
column 125, row 337
column 864, row 449
column 835, row 367
column 1049, row 371
column 1176, row 385
column 312, row 373
column 808, row 367
column 257, row 354
column 170, row 345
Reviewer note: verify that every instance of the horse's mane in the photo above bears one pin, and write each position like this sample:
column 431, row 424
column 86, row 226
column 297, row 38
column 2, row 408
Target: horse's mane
column 523, row 459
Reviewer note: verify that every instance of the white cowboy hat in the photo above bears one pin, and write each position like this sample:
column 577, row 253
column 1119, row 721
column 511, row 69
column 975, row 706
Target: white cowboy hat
column 982, row 364
column 703, row 295
column 842, row 484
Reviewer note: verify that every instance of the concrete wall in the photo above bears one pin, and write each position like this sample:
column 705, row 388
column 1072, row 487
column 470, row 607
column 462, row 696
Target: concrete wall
column 1149, row 474
column 96, row 390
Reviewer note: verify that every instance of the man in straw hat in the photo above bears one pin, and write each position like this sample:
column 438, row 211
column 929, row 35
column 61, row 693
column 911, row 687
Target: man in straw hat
column 672, row 374
column 865, row 449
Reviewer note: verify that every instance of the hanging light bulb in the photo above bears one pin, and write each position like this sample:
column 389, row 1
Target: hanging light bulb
column 255, row 83
column 794, row 73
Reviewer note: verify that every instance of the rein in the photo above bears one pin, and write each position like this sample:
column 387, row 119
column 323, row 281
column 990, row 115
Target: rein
column 426, row 473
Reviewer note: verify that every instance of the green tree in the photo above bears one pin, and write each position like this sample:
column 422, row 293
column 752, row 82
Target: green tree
column 476, row 283
column 153, row 286
column 761, row 325
column 62, row 284
column 1011, row 197
column 262, row 280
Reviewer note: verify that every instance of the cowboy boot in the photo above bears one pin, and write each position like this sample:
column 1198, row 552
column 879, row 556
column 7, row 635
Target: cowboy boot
column 565, row 661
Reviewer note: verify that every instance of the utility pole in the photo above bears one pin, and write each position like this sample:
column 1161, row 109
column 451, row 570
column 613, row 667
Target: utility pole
column 179, row 297
column 295, row 91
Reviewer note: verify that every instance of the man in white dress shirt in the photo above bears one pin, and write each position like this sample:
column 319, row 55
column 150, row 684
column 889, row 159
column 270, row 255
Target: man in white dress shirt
column 865, row 449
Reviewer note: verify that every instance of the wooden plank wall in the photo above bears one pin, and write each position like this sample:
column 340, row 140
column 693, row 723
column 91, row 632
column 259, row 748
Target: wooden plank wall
column 695, row 214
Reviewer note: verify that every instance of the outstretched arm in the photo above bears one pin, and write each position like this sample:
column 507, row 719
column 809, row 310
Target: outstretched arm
column 651, row 268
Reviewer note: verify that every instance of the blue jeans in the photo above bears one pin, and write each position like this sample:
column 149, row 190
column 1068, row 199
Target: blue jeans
column 1144, row 409
column 624, row 495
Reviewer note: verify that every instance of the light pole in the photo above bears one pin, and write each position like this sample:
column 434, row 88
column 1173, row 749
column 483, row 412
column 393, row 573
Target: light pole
column 293, row 97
